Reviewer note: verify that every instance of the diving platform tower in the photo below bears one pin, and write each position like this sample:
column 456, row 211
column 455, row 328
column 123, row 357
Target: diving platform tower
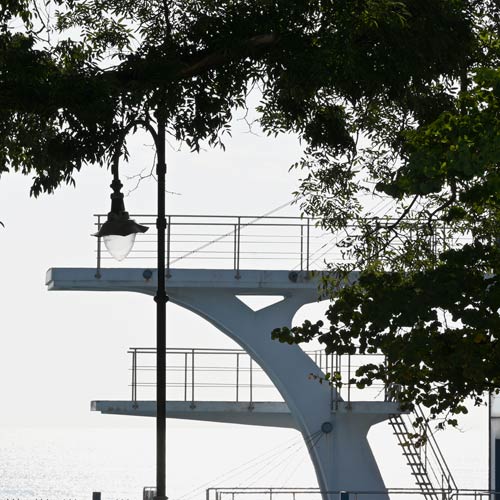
column 342, row 457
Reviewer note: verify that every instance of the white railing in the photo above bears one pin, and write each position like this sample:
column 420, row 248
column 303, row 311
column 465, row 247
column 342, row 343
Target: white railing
column 202, row 375
column 243, row 242
column 233, row 242
column 195, row 374
column 316, row 494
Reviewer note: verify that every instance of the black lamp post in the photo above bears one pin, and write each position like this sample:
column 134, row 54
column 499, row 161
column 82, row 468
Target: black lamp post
column 118, row 233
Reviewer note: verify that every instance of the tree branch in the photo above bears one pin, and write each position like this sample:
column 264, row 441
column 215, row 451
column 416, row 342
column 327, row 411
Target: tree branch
column 215, row 59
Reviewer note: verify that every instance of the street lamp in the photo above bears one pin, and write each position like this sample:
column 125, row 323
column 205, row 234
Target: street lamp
column 118, row 233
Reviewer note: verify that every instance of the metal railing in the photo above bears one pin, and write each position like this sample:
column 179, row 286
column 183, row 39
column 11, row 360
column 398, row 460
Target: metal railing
column 433, row 458
column 316, row 494
column 244, row 242
column 237, row 242
column 203, row 375
column 345, row 367
column 195, row 374
column 198, row 374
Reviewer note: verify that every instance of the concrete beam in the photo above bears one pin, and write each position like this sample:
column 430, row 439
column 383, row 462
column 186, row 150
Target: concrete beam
column 268, row 414
column 133, row 280
column 386, row 408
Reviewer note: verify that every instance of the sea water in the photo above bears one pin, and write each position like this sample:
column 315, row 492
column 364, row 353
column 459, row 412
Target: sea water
column 69, row 463
column 51, row 463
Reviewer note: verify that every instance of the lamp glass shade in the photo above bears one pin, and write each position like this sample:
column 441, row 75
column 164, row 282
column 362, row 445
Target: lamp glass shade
column 119, row 246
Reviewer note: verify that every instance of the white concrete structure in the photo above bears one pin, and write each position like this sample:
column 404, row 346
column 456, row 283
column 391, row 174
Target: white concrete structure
column 341, row 454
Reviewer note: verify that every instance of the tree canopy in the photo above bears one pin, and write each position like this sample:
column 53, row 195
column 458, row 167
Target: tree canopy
column 392, row 99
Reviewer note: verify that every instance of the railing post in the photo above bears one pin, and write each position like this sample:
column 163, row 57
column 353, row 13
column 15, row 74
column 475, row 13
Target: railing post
column 98, row 268
column 250, row 406
column 235, row 246
column 168, row 246
column 301, row 247
column 435, row 239
column 185, row 376
column 348, row 378
column 338, row 368
column 331, row 395
column 134, row 375
column 385, row 385
column 192, row 379
column 238, row 249
column 308, row 242
column 237, row 375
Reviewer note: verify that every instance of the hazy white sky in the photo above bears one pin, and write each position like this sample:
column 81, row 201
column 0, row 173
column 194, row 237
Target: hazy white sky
column 60, row 350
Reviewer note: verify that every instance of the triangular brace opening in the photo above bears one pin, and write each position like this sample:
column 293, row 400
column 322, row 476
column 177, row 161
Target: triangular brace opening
column 258, row 302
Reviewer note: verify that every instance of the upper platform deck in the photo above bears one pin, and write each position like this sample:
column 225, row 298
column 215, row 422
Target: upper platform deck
column 143, row 280
column 274, row 251
column 270, row 254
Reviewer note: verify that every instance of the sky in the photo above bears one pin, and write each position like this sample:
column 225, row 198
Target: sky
column 60, row 350
column 55, row 231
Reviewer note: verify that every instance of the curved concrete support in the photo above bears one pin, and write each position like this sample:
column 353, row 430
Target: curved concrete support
column 342, row 458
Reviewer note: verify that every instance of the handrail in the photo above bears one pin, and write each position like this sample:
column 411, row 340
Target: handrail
column 267, row 493
column 233, row 370
column 244, row 242
column 437, row 453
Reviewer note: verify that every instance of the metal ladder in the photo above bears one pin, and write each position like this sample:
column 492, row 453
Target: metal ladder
column 426, row 462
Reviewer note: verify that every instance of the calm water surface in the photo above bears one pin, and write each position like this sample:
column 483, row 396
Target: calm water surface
column 69, row 463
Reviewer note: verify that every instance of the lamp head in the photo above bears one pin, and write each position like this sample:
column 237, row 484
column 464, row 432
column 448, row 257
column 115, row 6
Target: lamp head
column 119, row 231
column 118, row 234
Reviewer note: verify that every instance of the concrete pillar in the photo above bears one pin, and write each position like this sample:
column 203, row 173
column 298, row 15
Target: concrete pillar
column 343, row 459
